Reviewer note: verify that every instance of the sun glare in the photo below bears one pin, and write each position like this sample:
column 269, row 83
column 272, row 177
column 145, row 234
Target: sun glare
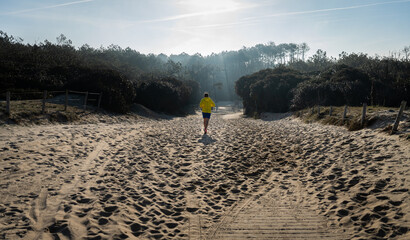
column 210, row 5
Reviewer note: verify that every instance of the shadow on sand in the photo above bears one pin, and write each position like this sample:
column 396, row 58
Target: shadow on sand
column 206, row 139
column 274, row 116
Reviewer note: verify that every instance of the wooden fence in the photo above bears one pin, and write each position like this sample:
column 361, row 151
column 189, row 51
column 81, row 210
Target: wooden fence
column 47, row 93
column 363, row 115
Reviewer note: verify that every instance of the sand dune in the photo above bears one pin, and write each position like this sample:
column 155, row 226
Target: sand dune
column 164, row 179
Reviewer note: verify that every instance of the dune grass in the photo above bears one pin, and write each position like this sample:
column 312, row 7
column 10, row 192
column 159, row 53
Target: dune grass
column 352, row 120
column 30, row 111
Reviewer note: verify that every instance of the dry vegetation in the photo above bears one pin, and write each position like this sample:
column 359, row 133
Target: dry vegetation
column 377, row 117
column 28, row 112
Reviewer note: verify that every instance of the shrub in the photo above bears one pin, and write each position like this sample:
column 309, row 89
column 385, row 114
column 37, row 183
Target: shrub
column 268, row 90
column 167, row 95
column 118, row 93
column 337, row 86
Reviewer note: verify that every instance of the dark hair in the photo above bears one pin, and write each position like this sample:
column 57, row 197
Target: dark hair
column 206, row 95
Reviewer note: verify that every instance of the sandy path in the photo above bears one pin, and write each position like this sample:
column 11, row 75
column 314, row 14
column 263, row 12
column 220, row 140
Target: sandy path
column 164, row 179
column 275, row 213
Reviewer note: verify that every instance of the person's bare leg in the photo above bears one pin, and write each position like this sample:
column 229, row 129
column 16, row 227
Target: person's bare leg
column 206, row 123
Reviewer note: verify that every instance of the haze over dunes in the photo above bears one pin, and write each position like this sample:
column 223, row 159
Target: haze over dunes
column 102, row 135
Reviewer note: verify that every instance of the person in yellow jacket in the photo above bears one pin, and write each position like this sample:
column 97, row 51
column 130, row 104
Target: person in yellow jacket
column 206, row 105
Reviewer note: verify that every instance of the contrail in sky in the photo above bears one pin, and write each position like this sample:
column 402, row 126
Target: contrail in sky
column 47, row 7
column 189, row 15
column 255, row 19
column 327, row 9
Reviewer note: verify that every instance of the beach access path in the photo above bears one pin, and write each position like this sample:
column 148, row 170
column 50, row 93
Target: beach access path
column 272, row 178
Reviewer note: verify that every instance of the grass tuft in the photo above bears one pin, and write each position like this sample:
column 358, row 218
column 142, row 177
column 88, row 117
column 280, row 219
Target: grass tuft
column 29, row 112
column 353, row 117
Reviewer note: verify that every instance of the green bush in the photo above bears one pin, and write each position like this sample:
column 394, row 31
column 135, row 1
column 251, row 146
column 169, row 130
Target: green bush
column 167, row 95
column 117, row 93
column 268, row 90
column 335, row 87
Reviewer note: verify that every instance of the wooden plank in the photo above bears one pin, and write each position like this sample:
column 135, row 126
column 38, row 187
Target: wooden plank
column 8, row 103
column 43, row 108
column 363, row 114
column 99, row 101
column 85, row 100
column 66, row 100
column 397, row 121
column 269, row 218
column 344, row 113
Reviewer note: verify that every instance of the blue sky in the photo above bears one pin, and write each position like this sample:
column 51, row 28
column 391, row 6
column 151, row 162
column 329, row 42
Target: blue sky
column 206, row 26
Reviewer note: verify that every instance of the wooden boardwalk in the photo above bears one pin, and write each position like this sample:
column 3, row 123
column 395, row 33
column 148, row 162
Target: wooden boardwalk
column 262, row 221
column 273, row 216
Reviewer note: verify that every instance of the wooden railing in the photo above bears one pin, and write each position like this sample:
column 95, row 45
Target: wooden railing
column 363, row 115
column 45, row 98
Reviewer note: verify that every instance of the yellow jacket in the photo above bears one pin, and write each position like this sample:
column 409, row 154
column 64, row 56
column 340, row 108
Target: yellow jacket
column 206, row 104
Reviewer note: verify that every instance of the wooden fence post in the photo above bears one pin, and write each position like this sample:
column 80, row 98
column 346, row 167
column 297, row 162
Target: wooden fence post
column 85, row 100
column 66, row 100
column 99, row 101
column 330, row 111
column 8, row 103
column 43, row 109
column 344, row 113
column 397, row 121
column 363, row 114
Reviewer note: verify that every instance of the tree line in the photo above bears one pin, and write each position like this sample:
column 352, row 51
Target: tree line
column 352, row 79
column 126, row 76
column 48, row 65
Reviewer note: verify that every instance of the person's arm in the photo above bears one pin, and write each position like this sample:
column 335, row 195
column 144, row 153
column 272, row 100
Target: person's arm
column 201, row 104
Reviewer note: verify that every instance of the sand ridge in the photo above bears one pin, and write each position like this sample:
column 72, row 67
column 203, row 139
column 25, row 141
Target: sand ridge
column 166, row 180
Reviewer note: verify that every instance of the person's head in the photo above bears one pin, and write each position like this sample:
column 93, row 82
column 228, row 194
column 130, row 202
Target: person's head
column 206, row 94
